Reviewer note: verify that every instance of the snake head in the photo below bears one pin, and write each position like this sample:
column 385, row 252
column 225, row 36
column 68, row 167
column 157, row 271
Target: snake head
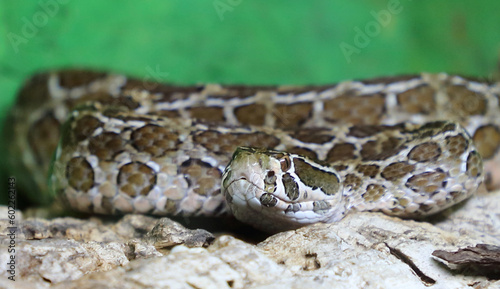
column 276, row 191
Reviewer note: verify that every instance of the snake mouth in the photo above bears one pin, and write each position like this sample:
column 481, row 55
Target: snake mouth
column 246, row 181
column 245, row 190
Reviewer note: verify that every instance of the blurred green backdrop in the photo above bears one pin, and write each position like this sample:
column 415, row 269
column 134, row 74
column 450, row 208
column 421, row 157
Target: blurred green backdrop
column 246, row 41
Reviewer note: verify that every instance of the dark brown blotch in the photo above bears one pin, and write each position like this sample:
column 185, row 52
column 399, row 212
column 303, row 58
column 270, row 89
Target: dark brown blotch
column 80, row 174
column 466, row 102
column 456, row 145
column 106, row 100
column 341, row 152
column 106, row 145
column 374, row 151
column 427, row 182
column 85, row 126
column 226, row 143
column 76, row 78
column 351, row 107
column 474, row 164
column 302, row 152
column 202, row 177
column 252, row 114
column 35, row 91
column 368, row 170
column 362, row 131
column 373, row 193
column 313, row 135
column 397, row 170
column 425, row 152
column 154, row 139
column 208, row 114
column 352, row 181
column 43, row 137
column 136, row 178
column 487, row 141
column 292, row 115
column 418, row 100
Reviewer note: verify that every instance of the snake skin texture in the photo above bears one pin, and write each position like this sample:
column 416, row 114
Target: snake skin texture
column 124, row 145
column 406, row 171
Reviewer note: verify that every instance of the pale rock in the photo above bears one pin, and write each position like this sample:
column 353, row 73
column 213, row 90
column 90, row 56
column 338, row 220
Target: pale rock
column 364, row 250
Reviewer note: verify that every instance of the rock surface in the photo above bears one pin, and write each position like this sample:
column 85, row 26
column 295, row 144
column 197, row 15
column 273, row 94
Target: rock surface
column 364, row 250
column 483, row 259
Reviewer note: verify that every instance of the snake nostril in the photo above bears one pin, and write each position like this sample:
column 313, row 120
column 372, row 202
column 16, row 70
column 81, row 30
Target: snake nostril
column 270, row 178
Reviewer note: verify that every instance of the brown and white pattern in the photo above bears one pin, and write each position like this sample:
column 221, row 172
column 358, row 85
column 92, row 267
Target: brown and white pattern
column 425, row 169
column 162, row 150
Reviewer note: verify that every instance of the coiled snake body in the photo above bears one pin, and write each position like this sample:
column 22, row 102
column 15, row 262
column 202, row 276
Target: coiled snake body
column 407, row 146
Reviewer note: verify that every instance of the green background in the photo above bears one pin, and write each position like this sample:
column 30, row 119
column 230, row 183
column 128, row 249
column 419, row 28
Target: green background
column 245, row 41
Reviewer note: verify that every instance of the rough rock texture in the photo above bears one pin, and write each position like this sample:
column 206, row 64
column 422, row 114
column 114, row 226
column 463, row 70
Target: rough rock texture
column 482, row 259
column 364, row 250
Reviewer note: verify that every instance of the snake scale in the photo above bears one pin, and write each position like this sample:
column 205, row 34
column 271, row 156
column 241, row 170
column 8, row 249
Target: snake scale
column 276, row 157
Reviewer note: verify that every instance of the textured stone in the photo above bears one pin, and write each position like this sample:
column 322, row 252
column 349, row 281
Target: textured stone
column 364, row 250
column 481, row 259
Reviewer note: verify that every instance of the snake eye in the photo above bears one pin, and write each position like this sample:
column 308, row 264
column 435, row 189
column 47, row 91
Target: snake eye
column 285, row 163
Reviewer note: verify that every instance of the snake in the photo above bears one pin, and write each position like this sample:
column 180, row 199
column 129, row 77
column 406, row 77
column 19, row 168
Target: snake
column 275, row 157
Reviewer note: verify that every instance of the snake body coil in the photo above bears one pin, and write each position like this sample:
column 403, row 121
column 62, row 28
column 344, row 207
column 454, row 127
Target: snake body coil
column 408, row 146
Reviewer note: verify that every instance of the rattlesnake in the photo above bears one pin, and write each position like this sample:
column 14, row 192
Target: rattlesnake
column 407, row 146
